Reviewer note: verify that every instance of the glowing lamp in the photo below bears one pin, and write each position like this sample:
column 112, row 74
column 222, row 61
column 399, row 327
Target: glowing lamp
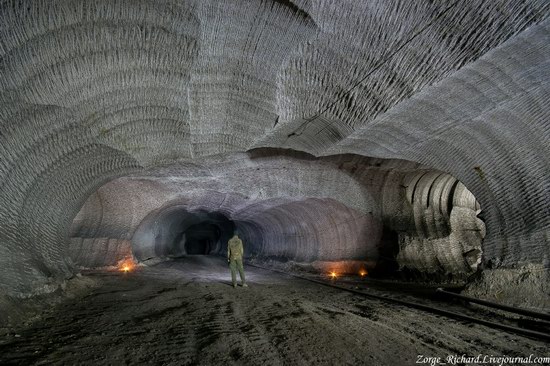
column 126, row 266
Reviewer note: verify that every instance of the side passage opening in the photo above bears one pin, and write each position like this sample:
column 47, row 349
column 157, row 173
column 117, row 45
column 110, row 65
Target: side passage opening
column 435, row 226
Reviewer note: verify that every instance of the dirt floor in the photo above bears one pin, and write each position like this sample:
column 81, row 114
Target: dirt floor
column 186, row 312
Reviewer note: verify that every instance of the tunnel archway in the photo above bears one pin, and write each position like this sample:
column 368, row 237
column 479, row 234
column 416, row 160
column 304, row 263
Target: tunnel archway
column 178, row 230
column 401, row 217
column 432, row 227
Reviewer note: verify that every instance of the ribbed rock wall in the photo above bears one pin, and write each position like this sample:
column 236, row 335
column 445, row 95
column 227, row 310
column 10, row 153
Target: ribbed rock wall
column 99, row 252
column 437, row 224
column 285, row 216
column 300, row 208
column 95, row 90
column 493, row 137
column 371, row 55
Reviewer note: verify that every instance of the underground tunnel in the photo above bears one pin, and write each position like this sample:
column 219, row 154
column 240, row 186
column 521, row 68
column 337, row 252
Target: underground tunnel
column 175, row 232
column 384, row 165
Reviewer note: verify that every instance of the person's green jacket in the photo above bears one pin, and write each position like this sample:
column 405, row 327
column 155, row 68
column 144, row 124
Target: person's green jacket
column 235, row 248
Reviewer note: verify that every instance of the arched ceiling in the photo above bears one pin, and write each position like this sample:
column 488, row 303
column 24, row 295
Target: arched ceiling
column 94, row 90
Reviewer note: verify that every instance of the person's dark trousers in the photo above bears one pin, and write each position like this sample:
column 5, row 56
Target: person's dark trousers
column 236, row 264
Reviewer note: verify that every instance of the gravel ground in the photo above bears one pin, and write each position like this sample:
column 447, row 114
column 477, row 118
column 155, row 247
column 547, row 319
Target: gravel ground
column 186, row 312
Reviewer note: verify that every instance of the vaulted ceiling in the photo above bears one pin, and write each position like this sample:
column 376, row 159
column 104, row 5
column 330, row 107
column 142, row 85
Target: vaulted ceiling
column 95, row 90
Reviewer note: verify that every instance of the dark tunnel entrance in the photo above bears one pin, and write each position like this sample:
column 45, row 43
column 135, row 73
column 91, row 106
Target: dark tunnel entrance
column 201, row 238
column 427, row 228
column 177, row 231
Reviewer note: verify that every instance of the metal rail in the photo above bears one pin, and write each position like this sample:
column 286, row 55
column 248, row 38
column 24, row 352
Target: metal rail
column 512, row 309
column 450, row 314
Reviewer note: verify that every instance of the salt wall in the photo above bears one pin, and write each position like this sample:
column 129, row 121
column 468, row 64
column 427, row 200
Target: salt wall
column 180, row 111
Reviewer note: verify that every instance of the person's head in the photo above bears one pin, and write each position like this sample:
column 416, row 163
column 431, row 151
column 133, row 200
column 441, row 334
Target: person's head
column 235, row 232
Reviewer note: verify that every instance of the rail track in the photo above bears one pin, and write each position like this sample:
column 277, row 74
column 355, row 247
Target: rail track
column 539, row 321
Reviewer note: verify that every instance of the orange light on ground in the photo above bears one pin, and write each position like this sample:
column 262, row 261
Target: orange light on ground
column 333, row 275
column 126, row 265
column 363, row 273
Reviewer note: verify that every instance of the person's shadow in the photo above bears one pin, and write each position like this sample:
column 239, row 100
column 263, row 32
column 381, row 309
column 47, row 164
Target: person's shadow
column 230, row 283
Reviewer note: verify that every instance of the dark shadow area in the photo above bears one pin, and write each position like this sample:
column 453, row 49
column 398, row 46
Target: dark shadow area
column 387, row 265
column 176, row 231
column 199, row 233
column 201, row 238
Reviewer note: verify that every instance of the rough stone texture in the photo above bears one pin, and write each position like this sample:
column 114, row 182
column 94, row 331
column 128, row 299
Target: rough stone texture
column 439, row 231
column 98, row 252
column 488, row 125
column 186, row 313
column 526, row 286
column 94, row 90
column 301, row 209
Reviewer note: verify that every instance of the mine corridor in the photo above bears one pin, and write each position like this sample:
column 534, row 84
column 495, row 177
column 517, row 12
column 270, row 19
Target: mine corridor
column 274, row 182
column 185, row 312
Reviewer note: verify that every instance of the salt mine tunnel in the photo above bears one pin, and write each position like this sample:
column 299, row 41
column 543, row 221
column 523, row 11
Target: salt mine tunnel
column 378, row 159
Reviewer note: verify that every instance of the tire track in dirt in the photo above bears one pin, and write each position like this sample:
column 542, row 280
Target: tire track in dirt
column 166, row 318
column 255, row 334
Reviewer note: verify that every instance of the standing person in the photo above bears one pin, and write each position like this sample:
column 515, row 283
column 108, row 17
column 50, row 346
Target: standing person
column 235, row 259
